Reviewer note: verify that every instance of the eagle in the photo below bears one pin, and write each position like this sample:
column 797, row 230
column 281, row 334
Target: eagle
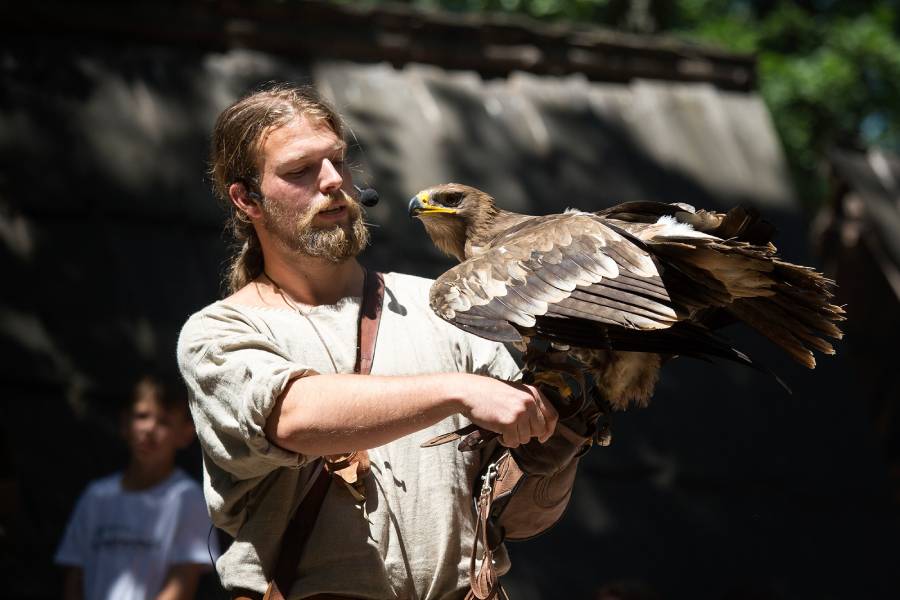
column 617, row 292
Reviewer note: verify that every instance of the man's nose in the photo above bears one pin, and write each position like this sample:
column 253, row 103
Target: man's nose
column 330, row 178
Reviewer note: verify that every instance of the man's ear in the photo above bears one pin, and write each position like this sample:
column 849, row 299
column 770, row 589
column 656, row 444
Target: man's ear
column 244, row 200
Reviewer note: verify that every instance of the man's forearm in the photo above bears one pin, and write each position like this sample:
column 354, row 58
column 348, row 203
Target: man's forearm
column 334, row 414
column 331, row 414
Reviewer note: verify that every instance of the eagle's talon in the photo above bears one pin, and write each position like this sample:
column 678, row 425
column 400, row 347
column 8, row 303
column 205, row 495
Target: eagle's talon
column 603, row 404
column 603, row 436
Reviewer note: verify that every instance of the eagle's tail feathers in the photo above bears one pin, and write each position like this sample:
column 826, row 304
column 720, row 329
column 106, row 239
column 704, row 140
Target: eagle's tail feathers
column 782, row 328
column 799, row 314
column 789, row 304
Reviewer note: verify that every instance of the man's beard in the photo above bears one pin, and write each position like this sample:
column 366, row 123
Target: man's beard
column 335, row 243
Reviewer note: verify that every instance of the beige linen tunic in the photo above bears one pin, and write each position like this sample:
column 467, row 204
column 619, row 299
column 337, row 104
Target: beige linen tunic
column 414, row 537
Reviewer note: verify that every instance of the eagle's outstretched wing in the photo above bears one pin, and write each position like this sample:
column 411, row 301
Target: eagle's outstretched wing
column 578, row 279
column 565, row 266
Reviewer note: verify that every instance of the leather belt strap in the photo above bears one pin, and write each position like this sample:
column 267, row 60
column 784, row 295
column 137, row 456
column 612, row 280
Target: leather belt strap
column 301, row 525
column 499, row 482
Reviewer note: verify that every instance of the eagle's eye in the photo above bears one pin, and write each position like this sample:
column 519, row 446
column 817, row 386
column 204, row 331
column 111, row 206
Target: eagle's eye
column 452, row 199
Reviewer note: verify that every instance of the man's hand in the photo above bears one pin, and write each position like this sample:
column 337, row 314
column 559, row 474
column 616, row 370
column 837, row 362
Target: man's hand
column 572, row 438
column 516, row 411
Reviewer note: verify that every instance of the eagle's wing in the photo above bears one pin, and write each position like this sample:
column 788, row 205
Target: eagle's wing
column 570, row 265
column 735, row 271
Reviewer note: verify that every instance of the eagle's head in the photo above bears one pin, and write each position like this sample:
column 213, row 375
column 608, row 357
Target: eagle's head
column 452, row 214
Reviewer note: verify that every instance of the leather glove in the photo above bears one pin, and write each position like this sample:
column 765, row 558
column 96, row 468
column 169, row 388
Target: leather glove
column 572, row 438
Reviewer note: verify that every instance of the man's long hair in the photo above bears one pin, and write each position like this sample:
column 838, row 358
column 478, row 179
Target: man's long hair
column 236, row 142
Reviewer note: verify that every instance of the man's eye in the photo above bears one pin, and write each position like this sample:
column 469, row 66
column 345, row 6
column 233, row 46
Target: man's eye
column 298, row 172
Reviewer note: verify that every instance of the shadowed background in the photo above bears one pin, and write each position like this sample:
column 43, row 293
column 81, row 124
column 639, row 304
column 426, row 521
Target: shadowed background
column 725, row 487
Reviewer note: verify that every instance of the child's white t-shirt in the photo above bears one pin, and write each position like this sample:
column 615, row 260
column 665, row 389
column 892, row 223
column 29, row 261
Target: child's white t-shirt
column 126, row 541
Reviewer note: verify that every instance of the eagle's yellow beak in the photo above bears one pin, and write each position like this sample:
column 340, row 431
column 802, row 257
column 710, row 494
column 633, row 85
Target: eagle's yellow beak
column 421, row 206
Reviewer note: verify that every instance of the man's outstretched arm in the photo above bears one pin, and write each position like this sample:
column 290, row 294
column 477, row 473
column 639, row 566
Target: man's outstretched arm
column 332, row 414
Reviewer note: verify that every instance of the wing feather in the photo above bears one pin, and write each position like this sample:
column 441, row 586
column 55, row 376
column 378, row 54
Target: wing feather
column 603, row 312
column 623, row 283
column 631, row 302
column 595, row 262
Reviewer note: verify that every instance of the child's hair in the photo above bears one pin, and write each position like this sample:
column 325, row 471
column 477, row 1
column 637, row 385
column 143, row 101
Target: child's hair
column 169, row 392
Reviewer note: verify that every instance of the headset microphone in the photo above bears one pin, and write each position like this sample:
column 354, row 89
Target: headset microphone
column 367, row 196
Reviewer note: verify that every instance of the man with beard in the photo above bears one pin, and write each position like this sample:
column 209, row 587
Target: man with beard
column 271, row 374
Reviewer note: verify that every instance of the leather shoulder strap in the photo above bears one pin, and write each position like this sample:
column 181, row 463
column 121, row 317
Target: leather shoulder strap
column 301, row 525
column 295, row 536
column 369, row 319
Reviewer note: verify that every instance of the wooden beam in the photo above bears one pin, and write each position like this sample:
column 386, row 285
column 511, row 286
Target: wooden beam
column 492, row 45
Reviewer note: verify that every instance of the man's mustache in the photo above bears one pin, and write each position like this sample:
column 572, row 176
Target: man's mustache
column 354, row 208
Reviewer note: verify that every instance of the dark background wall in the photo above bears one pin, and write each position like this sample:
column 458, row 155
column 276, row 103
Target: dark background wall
column 724, row 486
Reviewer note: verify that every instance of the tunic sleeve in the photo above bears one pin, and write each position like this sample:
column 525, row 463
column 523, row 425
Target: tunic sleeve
column 235, row 373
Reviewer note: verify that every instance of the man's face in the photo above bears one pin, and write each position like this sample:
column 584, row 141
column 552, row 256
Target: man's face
column 155, row 433
column 306, row 205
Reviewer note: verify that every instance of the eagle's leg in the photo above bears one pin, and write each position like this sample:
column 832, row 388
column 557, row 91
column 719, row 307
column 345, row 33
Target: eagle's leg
column 539, row 357
column 603, row 431
column 561, row 381
column 552, row 361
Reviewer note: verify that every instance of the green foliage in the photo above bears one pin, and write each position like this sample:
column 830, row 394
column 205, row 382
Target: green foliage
column 829, row 76
column 829, row 70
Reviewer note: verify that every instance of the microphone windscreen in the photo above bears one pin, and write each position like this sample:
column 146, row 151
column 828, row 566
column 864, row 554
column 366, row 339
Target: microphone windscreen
column 368, row 197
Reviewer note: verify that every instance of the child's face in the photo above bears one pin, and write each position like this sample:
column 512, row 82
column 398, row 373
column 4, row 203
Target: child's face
column 155, row 433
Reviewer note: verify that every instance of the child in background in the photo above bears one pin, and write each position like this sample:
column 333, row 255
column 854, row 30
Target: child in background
column 141, row 533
